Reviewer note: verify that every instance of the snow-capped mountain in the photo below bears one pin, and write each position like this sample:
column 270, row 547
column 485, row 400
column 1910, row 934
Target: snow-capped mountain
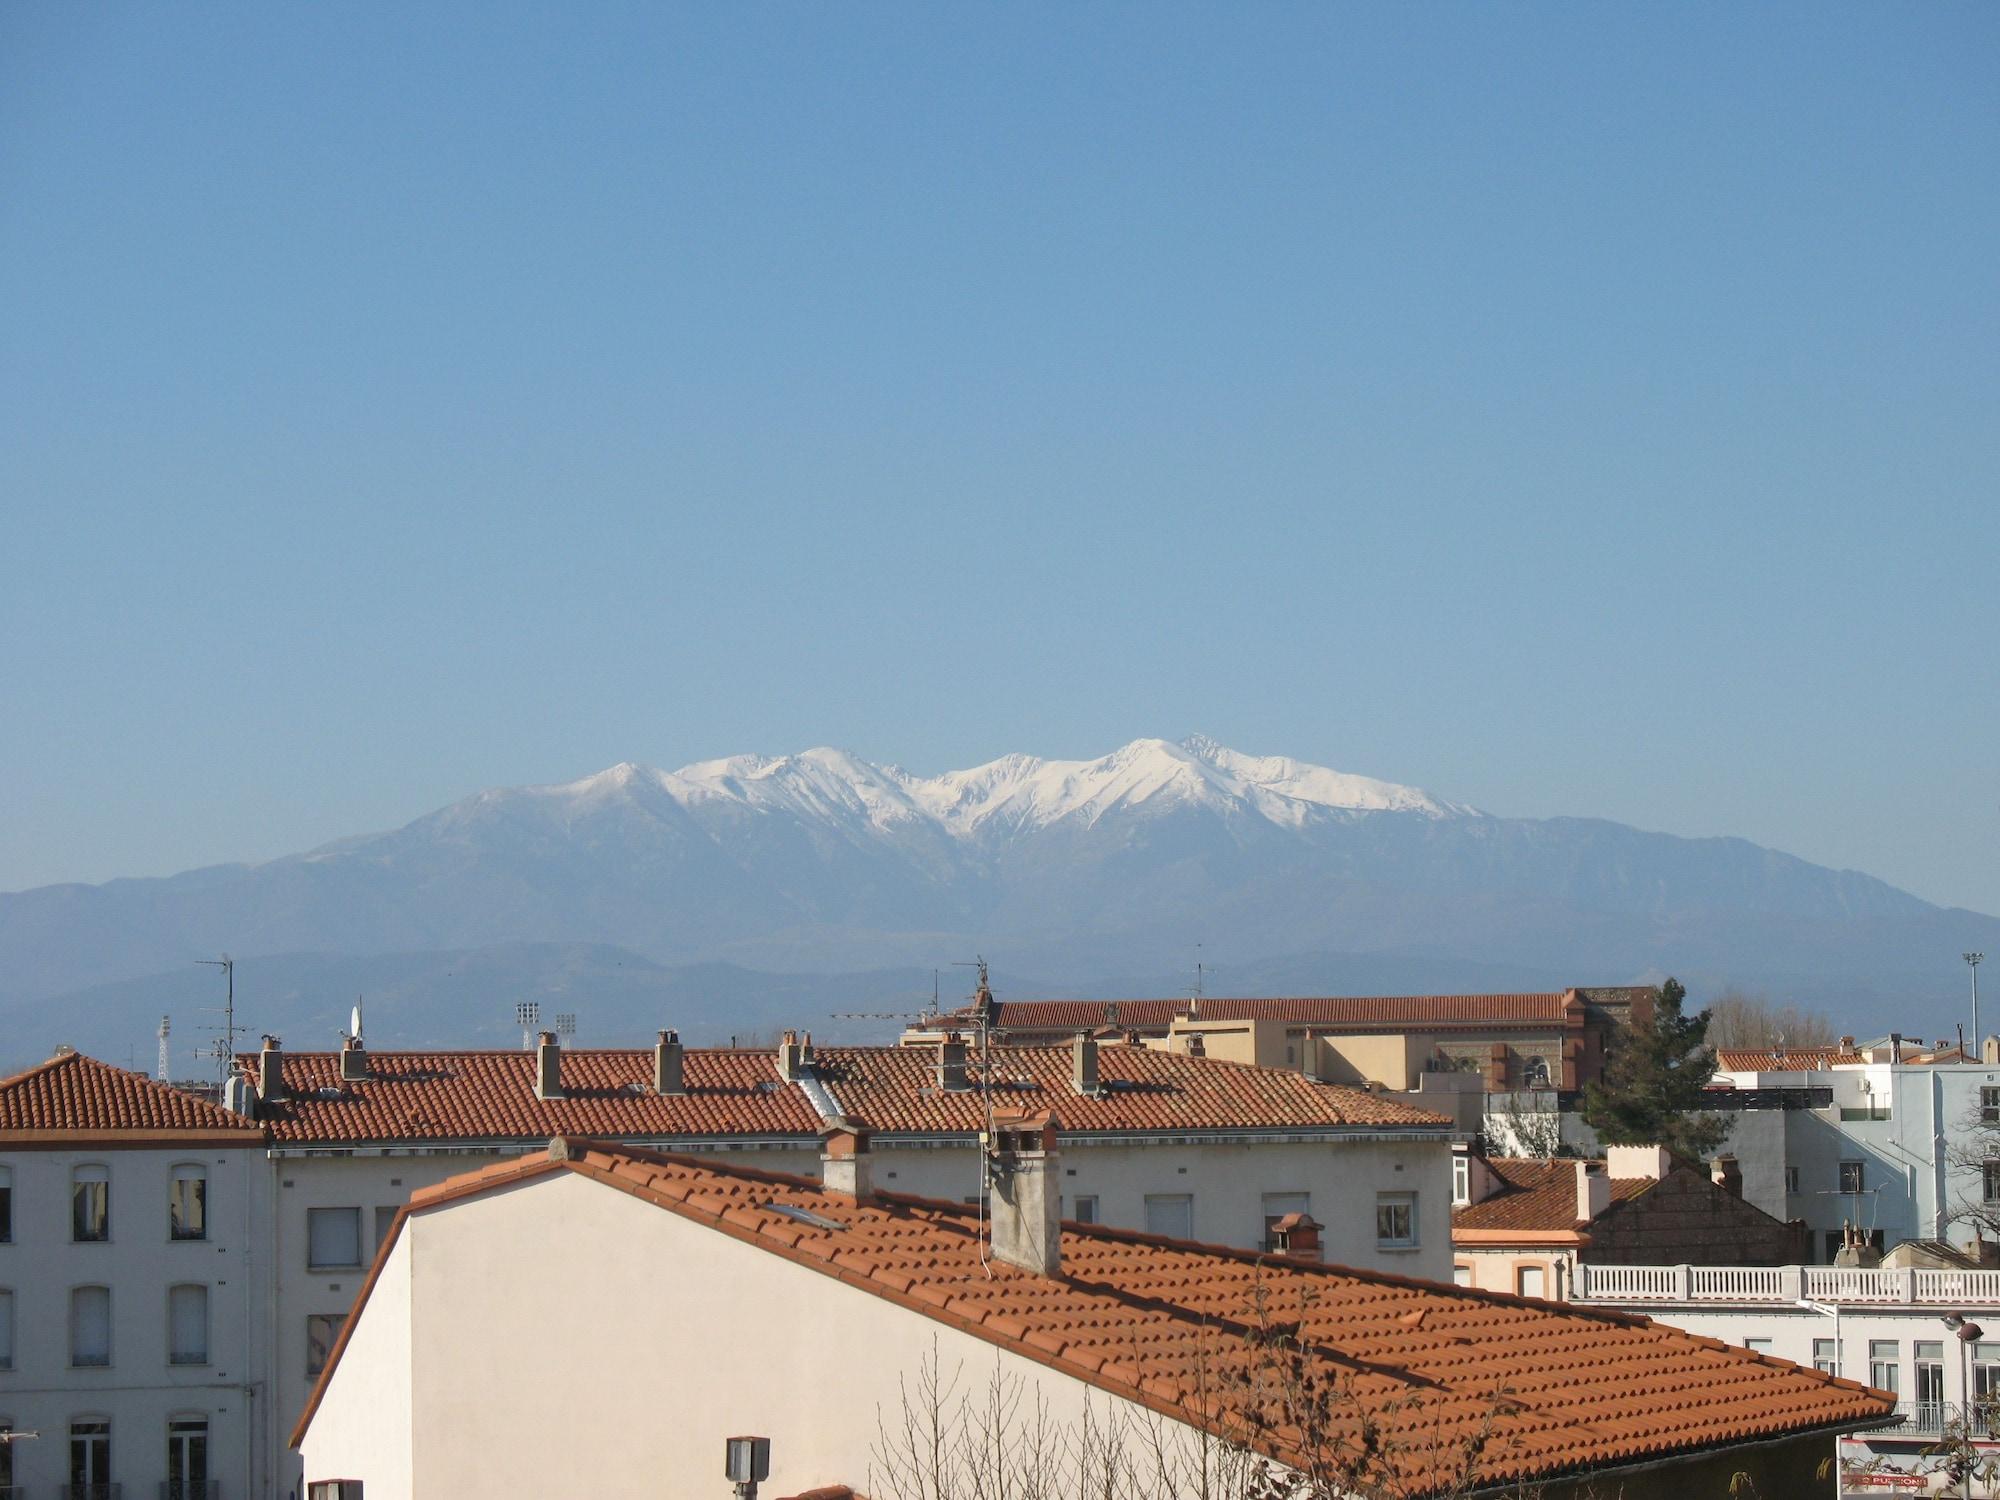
column 1071, row 870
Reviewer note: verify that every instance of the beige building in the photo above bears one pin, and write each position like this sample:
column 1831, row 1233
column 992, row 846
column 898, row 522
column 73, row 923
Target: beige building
column 597, row 1320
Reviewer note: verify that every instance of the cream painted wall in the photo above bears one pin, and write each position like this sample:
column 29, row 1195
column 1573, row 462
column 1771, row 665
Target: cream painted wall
column 140, row 1390
column 374, row 1413
column 537, row 1371
column 1499, row 1270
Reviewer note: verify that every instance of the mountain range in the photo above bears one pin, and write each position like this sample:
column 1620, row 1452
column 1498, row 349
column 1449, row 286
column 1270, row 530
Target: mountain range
column 744, row 886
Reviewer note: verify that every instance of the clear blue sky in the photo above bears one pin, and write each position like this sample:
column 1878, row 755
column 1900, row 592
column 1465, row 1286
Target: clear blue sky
column 1568, row 409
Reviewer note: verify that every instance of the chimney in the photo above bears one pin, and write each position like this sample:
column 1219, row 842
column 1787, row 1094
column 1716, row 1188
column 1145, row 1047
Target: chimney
column 1727, row 1173
column 1197, row 1045
column 1847, row 1044
column 548, row 1066
column 1297, row 1237
column 239, row 1094
column 1895, row 1046
column 951, row 1075
column 1989, row 1050
column 844, row 1159
column 1593, row 1191
column 1638, row 1161
column 795, row 1056
column 271, row 1070
column 667, row 1065
column 353, row 1061
column 1022, row 1167
column 1083, row 1066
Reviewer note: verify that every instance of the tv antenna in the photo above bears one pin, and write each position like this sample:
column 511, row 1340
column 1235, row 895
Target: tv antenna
column 223, row 1049
column 983, row 1013
column 526, row 1014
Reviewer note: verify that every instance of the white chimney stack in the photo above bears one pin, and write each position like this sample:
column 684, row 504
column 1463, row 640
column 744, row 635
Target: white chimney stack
column 845, row 1162
column 1593, row 1191
column 548, row 1067
column 1022, row 1168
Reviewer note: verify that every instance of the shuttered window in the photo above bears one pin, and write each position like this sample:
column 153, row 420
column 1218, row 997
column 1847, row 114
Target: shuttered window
column 187, row 1325
column 333, row 1238
column 90, row 1325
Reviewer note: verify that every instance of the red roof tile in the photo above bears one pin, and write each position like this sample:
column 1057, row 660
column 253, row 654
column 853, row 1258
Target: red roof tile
column 1172, row 1324
column 74, row 1093
column 490, row 1095
column 1537, row 1196
column 1768, row 1060
column 1359, row 1012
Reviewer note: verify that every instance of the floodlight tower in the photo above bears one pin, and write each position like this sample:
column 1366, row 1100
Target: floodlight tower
column 1972, row 961
column 526, row 1014
column 166, row 1064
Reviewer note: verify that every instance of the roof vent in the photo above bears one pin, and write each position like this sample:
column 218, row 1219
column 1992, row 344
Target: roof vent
column 1021, row 1167
column 1084, row 1077
column 795, row 1056
column 271, row 1070
column 548, row 1066
column 667, row 1065
column 951, row 1073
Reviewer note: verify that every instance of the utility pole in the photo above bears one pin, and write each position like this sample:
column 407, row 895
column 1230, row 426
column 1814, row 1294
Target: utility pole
column 1972, row 961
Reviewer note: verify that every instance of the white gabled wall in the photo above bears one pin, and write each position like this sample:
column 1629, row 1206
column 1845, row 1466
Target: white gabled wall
column 368, row 1420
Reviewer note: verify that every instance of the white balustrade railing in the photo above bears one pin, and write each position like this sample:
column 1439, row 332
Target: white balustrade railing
column 1786, row 1285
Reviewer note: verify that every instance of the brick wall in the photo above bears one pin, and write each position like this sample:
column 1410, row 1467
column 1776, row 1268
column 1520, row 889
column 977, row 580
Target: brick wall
column 1688, row 1220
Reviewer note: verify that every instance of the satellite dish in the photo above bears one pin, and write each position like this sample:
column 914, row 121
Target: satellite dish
column 354, row 1021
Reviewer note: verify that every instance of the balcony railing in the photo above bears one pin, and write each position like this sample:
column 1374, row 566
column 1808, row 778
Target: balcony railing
column 1933, row 1419
column 190, row 1489
column 1785, row 1285
column 90, row 1491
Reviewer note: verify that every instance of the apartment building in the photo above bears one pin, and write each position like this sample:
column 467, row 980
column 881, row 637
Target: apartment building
column 134, row 1290
column 1083, row 1346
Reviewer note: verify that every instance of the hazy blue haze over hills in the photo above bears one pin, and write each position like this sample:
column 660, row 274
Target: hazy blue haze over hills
column 748, row 893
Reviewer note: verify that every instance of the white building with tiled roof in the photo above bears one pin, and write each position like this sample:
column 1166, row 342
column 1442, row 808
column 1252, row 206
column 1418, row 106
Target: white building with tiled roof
column 135, row 1294
column 598, row 1320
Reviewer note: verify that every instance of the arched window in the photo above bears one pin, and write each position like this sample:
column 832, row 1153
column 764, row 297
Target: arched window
column 1535, row 1073
column 187, row 1202
column 187, row 1325
column 90, row 1325
column 90, row 1203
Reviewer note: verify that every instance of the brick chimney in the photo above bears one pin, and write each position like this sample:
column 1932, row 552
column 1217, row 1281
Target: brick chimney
column 271, row 1070
column 1727, row 1173
column 845, row 1160
column 795, row 1055
column 1593, row 1191
column 951, row 1074
column 353, row 1061
column 548, row 1066
column 667, row 1065
column 1023, row 1170
column 1297, row 1237
column 1083, row 1066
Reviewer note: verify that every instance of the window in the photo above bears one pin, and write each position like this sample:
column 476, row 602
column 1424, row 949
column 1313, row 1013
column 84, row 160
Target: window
column 1276, row 1206
column 1989, row 1181
column 1852, row 1177
column 1461, row 1274
column 1461, row 1180
column 90, row 1455
column 187, row 1459
column 6, row 1216
column 1928, row 1366
column 90, row 1325
column 187, row 1325
column 1530, row 1281
column 1885, row 1364
column 187, row 1203
column 1989, row 1106
column 1986, row 1372
column 6, row 1330
column 1826, row 1356
column 1086, row 1208
column 1170, row 1214
column 333, row 1238
column 90, row 1204
column 385, row 1220
column 1758, row 1346
column 1395, row 1221
column 1791, row 1179
column 334, row 1489
column 321, row 1331
column 6, row 1453
column 1535, row 1073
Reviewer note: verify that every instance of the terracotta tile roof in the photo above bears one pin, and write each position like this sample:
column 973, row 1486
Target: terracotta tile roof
column 1766, row 1060
column 74, row 1093
column 1328, row 1010
column 1171, row 1324
column 894, row 1089
column 1537, row 1196
column 491, row 1095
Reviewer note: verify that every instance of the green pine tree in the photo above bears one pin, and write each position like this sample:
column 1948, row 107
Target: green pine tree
column 1653, row 1081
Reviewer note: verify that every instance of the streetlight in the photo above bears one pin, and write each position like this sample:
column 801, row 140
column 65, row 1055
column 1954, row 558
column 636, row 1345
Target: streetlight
column 1972, row 961
column 746, row 1461
column 1969, row 1333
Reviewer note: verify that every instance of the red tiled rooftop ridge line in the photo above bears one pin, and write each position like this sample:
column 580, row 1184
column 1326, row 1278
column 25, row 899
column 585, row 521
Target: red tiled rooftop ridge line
column 440, row 1095
column 74, row 1093
column 1157, row 1321
column 1536, row 1195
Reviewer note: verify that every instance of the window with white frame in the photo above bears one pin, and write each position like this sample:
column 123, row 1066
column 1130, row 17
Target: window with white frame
column 1986, row 1372
column 1989, row 1106
column 1085, row 1209
column 90, row 1325
column 187, row 1325
column 1531, row 1281
column 1759, row 1346
column 1885, row 1364
column 90, row 1456
column 1171, row 1214
column 321, row 1331
column 1826, row 1356
column 333, row 1239
column 90, row 1204
column 1396, row 1221
column 187, row 1202
column 1989, row 1180
column 1853, row 1177
column 1461, row 1179
column 1461, row 1274
column 187, row 1458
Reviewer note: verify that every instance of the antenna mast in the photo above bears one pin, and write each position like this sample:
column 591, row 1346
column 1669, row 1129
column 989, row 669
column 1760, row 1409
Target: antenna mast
column 224, row 1048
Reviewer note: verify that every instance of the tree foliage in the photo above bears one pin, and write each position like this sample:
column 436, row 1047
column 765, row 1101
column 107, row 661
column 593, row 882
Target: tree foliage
column 1651, row 1093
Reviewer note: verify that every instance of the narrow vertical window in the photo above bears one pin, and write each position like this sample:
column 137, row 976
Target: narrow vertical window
column 90, row 1204
column 6, row 1330
column 90, row 1326
column 187, row 1325
column 90, row 1456
column 187, row 1203
column 187, row 1459
column 6, row 1454
column 322, row 1329
column 6, row 1209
